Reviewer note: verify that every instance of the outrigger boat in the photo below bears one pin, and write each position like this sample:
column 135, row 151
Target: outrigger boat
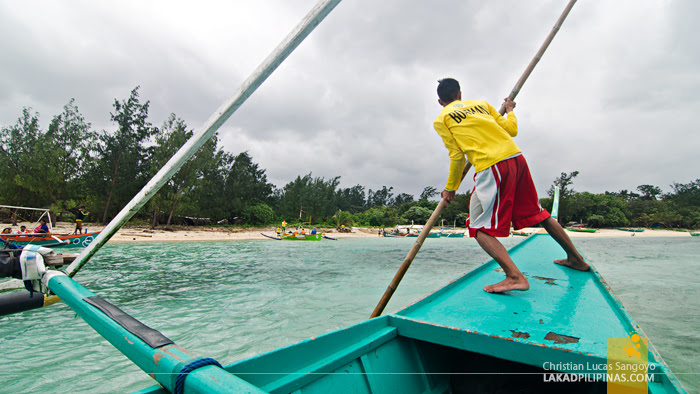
column 297, row 237
column 452, row 234
column 579, row 228
column 55, row 240
column 457, row 339
column 631, row 230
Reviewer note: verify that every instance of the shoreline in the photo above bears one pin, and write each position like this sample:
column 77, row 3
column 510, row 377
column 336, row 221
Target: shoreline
column 131, row 233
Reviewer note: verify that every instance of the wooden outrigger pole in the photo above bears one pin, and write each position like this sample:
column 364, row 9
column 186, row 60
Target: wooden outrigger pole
column 438, row 210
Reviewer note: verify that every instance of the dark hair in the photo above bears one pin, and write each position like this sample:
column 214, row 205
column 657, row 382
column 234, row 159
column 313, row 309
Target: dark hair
column 447, row 89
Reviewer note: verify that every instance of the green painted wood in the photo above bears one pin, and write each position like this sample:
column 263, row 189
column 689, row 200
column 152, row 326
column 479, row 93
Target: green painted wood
column 460, row 328
column 163, row 363
column 302, row 237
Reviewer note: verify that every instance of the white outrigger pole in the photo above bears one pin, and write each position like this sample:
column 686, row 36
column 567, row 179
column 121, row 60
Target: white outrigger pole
column 300, row 32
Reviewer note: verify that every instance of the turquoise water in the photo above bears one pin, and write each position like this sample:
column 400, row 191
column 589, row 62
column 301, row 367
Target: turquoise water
column 234, row 299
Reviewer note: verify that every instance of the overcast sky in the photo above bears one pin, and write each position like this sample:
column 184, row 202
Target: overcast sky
column 614, row 97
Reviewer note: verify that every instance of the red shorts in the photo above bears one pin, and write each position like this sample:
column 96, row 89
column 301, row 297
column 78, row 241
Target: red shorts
column 503, row 194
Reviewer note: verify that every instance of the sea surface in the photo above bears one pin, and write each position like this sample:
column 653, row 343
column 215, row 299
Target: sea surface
column 234, row 299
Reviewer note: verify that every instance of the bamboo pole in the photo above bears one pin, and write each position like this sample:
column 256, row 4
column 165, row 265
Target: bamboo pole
column 438, row 210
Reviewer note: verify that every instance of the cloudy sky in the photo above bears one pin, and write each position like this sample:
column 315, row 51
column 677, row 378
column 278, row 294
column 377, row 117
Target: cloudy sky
column 614, row 97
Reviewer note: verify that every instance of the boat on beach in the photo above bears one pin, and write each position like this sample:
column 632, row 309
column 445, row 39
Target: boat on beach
column 631, row 230
column 452, row 234
column 296, row 237
column 55, row 240
column 50, row 238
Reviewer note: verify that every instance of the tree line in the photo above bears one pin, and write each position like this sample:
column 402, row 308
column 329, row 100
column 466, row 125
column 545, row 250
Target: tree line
column 68, row 165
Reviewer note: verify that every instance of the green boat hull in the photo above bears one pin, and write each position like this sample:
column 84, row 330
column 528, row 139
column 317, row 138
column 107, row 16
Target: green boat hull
column 463, row 339
column 302, row 237
column 581, row 230
column 431, row 235
column 631, row 230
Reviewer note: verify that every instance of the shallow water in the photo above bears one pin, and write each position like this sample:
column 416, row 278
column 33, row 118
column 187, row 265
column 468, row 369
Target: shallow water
column 233, row 299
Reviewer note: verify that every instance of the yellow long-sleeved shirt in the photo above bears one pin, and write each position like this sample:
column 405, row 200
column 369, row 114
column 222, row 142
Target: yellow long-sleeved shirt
column 475, row 128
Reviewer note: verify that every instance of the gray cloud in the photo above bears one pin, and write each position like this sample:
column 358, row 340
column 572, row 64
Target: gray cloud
column 612, row 98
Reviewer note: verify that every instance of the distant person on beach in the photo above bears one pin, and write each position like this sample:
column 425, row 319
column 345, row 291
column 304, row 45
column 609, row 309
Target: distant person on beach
column 79, row 217
column 504, row 192
column 42, row 227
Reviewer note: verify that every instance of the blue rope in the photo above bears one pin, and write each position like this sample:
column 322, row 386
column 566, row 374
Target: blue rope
column 202, row 362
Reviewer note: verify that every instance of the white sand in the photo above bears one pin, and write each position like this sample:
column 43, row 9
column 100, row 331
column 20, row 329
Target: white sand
column 131, row 233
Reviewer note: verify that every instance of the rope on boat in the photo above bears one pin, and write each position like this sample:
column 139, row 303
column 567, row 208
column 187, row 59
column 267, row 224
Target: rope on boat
column 202, row 362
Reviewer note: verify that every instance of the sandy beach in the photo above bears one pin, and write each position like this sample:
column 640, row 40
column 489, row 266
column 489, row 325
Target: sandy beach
column 131, row 233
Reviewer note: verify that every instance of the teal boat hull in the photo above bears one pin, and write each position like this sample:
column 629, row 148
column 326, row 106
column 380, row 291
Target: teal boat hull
column 463, row 339
column 78, row 240
column 431, row 235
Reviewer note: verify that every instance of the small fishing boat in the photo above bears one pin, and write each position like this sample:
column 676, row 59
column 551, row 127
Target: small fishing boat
column 393, row 234
column 431, row 235
column 78, row 240
column 581, row 229
column 631, row 230
column 50, row 238
column 298, row 237
column 695, row 234
column 520, row 233
column 452, row 234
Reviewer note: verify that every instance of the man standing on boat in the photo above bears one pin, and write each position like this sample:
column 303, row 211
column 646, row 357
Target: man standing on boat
column 79, row 217
column 504, row 192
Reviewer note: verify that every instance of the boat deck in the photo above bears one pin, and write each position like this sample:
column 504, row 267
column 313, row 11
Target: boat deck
column 462, row 339
column 564, row 308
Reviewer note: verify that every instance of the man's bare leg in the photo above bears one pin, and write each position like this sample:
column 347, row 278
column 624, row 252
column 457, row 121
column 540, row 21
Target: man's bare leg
column 515, row 280
column 573, row 257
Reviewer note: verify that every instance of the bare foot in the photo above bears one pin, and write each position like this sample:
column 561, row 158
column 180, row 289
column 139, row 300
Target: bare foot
column 575, row 264
column 508, row 284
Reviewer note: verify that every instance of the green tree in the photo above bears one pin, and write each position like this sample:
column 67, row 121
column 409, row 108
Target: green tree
column 208, row 193
column 428, row 192
column 380, row 198
column 168, row 139
column 649, row 192
column 417, row 215
column 20, row 161
column 351, row 199
column 246, row 184
column 458, row 206
column 403, row 198
column 342, row 218
column 259, row 213
column 123, row 154
column 564, row 182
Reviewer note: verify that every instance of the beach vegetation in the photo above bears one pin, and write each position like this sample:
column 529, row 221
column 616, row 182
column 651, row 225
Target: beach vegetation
column 68, row 164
